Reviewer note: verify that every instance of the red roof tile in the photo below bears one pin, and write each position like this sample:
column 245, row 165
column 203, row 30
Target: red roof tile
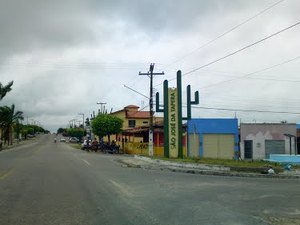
column 131, row 106
column 138, row 114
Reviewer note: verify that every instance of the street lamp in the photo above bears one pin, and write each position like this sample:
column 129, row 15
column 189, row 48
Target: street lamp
column 82, row 119
column 125, row 86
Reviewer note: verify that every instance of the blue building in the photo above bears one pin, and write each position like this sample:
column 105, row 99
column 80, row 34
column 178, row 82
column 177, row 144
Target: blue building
column 213, row 138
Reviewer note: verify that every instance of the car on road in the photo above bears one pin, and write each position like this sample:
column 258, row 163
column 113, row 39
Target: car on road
column 30, row 135
column 62, row 140
column 74, row 140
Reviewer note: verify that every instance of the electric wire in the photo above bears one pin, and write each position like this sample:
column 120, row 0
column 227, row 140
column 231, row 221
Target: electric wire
column 242, row 49
column 237, row 51
column 258, row 77
column 226, row 32
column 246, row 110
column 258, row 71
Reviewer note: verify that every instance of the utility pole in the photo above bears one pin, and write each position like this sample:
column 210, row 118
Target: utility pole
column 82, row 114
column 72, row 123
column 102, row 109
column 150, row 74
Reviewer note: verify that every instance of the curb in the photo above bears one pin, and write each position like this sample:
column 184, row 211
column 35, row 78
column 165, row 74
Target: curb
column 155, row 164
column 184, row 165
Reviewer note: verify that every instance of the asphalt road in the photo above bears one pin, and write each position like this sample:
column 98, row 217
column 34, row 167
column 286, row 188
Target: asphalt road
column 53, row 183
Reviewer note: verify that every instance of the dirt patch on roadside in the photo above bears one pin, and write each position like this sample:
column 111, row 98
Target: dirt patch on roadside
column 283, row 221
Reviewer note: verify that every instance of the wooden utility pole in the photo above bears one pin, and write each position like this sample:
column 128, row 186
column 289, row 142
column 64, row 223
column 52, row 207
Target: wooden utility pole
column 150, row 74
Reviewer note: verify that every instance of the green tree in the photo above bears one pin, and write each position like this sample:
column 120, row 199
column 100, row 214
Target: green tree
column 8, row 118
column 75, row 132
column 106, row 125
column 34, row 129
column 18, row 127
column 5, row 89
column 61, row 130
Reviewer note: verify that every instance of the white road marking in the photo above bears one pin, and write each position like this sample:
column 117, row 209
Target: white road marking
column 123, row 189
column 6, row 174
column 86, row 162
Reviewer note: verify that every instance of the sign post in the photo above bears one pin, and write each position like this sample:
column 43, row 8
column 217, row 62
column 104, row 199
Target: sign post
column 172, row 109
column 173, row 122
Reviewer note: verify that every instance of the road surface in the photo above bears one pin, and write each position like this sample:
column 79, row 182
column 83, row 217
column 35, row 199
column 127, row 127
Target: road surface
column 53, row 183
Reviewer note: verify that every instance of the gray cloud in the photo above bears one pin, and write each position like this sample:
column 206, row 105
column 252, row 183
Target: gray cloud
column 35, row 24
column 64, row 56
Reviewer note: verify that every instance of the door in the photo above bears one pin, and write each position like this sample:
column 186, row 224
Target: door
column 218, row 146
column 248, row 149
column 210, row 146
column 274, row 147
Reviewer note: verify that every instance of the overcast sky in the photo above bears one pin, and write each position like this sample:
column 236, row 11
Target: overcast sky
column 65, row 56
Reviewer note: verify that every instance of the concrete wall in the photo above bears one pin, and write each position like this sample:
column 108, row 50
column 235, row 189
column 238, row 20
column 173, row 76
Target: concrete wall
column 259, row 133
column 285, row 159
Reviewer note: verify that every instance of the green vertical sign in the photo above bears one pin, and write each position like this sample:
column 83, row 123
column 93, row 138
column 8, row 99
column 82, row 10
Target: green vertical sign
column 172, row 110
column 173, row 122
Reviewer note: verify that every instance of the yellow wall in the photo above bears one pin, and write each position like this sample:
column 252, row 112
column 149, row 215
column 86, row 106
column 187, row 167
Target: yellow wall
column 136, row 148
column 138, row 121
column 142, row 149
column 121, row 115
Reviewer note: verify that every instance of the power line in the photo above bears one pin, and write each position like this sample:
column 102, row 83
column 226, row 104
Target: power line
column 246, row 110
column 75, row 65
column 255, row 72
column 242, row 49
column 261, row 76
column 227, row 32
column 237, row 51
column 258, row 71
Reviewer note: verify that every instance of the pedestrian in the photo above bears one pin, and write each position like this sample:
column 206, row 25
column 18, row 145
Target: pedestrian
column 270, row 170
column 88, row 145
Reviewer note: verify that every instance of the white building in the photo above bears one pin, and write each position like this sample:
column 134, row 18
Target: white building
column 258, row 141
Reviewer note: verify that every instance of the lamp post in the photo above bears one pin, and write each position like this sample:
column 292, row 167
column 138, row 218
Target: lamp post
column 125, row 86
column 82, row 119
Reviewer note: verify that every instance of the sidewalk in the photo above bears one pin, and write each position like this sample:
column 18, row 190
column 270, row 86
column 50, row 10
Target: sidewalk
column 16, row 144
column 194, row 168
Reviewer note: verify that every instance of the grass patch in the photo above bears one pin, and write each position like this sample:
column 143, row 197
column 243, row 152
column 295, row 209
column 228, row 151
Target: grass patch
column 76, row 146
column 235, row 165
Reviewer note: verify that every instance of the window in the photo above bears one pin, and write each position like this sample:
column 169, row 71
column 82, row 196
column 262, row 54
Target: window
column 145, row 122
column 131, row 123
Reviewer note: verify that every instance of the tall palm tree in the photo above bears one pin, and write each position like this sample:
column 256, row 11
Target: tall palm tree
column 5, row 89
column 8, row 118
